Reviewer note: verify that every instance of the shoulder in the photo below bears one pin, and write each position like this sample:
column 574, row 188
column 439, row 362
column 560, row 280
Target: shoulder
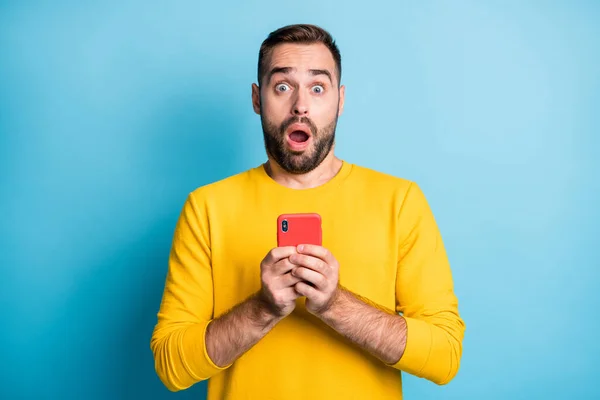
column 378, row 179
column 226, row 188
column 386, row 185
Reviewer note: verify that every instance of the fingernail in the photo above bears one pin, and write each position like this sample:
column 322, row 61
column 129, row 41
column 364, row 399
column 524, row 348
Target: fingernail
column 300, row 247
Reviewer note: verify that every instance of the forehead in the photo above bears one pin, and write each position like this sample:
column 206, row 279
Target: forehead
column 302, row 57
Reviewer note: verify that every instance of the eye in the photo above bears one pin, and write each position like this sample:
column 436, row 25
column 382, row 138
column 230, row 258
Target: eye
column 318, row 89
column 282, row 87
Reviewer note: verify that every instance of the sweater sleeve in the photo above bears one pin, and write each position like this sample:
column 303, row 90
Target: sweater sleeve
column 186, row 309
column 425, row 295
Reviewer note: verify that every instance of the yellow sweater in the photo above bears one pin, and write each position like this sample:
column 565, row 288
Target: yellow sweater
column 384, row 236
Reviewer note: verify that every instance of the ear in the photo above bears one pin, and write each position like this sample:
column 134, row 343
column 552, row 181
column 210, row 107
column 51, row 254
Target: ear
column 341, row 103
column 256, row 98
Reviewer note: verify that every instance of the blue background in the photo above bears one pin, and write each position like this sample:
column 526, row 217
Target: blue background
column 112, row 111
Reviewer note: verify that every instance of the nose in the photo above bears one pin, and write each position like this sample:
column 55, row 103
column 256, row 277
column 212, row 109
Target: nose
column 300, row 105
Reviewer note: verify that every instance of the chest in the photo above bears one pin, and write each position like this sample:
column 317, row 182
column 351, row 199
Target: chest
column 364, row 242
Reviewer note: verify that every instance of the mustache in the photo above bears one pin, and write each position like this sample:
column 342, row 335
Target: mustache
column 299, row 120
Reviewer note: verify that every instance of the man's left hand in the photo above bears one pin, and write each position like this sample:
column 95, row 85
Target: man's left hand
column 316, row 265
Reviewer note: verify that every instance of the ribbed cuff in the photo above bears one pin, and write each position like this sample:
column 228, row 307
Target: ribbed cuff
column 195, row 355
column 418, row 347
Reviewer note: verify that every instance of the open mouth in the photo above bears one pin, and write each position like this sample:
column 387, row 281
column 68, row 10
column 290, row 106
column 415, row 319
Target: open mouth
column 298, row 133
column 299, row 136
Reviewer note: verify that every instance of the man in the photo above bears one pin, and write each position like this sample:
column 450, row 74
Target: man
column 306, row 322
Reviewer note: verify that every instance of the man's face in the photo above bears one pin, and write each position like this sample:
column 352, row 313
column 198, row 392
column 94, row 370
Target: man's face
column 299, row 103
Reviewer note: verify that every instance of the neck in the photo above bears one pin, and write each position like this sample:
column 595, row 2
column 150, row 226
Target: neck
column 322, row 174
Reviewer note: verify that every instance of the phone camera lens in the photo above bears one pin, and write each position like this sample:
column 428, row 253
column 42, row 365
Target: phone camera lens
column 284, row 225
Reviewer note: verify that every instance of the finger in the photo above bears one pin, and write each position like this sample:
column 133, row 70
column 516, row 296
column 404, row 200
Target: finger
column 279, row 253
column 310, row 276
column 304, row 289
column 316, row 251
column 288, row 280
column 282, row 267
column 311, row 262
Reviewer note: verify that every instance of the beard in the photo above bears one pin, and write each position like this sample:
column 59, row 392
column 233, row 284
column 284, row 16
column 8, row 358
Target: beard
column 298, row 162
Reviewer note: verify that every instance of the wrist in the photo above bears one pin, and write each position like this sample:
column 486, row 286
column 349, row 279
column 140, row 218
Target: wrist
column 266, row 313
column 330, row 313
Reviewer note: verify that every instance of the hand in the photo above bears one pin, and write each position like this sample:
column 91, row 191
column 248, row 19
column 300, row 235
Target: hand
column 317, row 266
column 277, row 282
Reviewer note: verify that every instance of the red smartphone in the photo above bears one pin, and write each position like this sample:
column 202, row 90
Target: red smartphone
column 295, row 229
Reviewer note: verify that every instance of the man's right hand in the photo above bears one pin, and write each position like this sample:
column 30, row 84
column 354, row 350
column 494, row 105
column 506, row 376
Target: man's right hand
column 233, row 333
column 277, row 281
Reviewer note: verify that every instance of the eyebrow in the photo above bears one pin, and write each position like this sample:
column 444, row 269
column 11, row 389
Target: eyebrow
column 287, row 70
column 315, row 72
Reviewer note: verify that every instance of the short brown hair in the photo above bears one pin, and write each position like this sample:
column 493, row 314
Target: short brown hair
column 303, row 34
